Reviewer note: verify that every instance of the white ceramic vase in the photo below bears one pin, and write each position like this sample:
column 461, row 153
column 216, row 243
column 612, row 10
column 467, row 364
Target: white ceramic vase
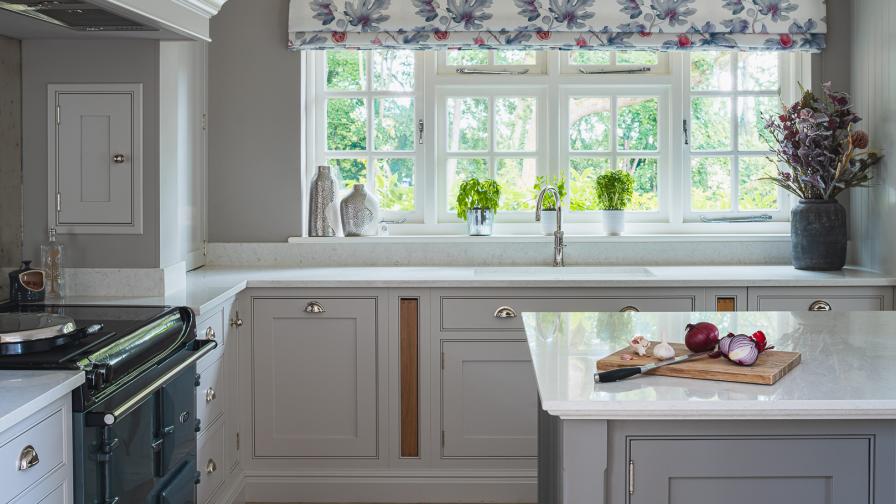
column 360, row 212
column 548, row 222
column 614, row 221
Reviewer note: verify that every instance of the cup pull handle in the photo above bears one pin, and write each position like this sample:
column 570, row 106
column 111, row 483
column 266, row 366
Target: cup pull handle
column 505, row 312
column 820, row 305
column 314, row 307
column 629, row 309
column 28, row 458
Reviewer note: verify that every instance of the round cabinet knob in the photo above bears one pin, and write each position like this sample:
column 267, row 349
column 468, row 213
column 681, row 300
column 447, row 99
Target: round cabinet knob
column 210, row 333
column 314, row 307
column 27, row 459
column 505, row 312
column 118, row 158
column 629, row 309
column 211, row 466
column 820, row 305
column 210, row 395
column 236, row 322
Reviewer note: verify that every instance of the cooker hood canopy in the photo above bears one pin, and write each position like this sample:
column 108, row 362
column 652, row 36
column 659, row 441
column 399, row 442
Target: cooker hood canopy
column 74, row 14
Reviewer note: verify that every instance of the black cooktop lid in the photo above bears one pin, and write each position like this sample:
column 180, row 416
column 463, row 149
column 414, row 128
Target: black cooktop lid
column 115, row 320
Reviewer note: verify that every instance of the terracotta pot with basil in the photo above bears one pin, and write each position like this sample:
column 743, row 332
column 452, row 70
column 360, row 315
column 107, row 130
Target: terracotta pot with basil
column 821, row 153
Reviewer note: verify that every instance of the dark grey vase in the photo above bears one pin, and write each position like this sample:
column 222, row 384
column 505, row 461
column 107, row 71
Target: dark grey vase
column 818, row 235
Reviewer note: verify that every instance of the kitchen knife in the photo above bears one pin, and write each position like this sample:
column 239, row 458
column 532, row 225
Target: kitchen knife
column 628, row 372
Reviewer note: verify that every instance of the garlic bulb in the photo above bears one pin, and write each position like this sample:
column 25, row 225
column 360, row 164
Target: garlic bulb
column 640, row 344
column 663, row 350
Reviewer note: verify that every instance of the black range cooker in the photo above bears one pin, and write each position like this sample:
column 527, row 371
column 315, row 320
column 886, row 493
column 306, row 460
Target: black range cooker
column 134, row 417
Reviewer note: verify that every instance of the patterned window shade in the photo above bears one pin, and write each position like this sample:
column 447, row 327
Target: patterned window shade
column 789, row 25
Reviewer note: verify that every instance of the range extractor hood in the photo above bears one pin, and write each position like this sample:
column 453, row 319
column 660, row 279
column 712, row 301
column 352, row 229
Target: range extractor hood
column 74, row 14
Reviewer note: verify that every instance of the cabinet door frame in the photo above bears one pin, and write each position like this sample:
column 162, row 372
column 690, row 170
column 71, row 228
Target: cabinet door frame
column 54, row 92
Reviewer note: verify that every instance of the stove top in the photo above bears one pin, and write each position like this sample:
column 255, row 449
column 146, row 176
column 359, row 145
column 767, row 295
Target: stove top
column 109, row 322
column 113, row 345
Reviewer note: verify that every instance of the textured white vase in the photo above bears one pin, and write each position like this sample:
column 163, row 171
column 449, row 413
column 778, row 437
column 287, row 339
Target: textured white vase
column 360, row 212
column 614, row 221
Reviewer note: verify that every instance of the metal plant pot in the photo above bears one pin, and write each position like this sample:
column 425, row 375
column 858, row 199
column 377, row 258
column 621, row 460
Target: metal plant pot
column 818, row 235
column 480, row 221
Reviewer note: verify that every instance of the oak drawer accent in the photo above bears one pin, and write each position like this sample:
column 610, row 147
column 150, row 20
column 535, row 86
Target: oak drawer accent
column 409, row 356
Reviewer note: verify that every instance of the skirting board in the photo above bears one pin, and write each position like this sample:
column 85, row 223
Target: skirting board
column 392, row 488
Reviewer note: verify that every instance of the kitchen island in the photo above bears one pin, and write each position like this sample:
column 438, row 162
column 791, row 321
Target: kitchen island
column 825, row 433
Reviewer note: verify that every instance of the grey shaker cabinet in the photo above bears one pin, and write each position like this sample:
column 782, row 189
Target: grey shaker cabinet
column 488, row 399
column 820, row 299
column 315, row 377
column 750, row 469
column 95, row 158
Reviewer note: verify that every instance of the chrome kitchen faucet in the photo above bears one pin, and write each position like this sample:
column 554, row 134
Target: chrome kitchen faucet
column 558, row 233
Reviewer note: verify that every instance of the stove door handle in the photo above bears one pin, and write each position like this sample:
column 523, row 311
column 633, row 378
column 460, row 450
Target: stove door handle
column 108, row 418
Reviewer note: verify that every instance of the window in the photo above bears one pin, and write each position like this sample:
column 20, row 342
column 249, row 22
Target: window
column 730, row 95
column 687, row 126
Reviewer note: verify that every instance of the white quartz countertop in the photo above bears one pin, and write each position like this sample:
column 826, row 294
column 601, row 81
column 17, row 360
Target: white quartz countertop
column 24, row 393
column 847, row 369
column 209, row 286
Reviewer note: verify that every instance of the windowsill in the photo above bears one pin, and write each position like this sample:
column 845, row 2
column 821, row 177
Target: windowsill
column 569, row 238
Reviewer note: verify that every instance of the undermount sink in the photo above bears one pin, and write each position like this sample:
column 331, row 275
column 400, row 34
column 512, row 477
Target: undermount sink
column 569, row 271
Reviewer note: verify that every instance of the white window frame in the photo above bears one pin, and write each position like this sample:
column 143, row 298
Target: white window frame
column 431, row 216
column 786, row 68
column 567, row 68
column 539, row 68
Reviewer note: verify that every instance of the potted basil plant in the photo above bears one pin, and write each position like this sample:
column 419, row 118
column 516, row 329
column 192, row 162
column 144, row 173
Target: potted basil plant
column 549, row 206
column 614, row 190
column 477, row 202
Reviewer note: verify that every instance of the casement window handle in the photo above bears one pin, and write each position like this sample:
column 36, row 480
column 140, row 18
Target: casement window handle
column 745, row 218
column 475, row 71
column 611, row 72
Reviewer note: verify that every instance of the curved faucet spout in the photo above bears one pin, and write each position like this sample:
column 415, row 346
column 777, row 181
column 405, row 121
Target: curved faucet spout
column 558, row 232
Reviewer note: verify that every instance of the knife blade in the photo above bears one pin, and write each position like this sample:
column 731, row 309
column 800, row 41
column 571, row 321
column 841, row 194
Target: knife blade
column 628, row 372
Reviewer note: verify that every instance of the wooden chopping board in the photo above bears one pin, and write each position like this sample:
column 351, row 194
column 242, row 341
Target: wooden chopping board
column 771, row 366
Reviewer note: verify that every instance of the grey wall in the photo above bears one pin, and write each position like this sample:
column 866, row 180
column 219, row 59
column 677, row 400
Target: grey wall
column 10, row 153
column 873, row 78
column 254, row 193
column 89, row 61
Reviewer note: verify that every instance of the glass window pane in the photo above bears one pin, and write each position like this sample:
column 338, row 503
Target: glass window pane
column 711, row 71
column 752, row 135
column 589, row 57
column 393, row 70
column 589, row 124
column 515, row 128
column 395, row 184
column 710, row 124
column 711, row 184
column 346, row 70
column 346, row 124
column 467, row 57
column 582, row 174
column 467, row 124
column 637, row 58
column 645, row 173
column 637, row 124
column 514, row 57
column 757, row 71
column 351, row 171
column 462, row 169
column 393, row 124
column 756, row 194
column 516, row 177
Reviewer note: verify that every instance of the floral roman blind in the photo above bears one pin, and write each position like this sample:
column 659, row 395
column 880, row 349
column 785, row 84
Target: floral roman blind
column 794, row 25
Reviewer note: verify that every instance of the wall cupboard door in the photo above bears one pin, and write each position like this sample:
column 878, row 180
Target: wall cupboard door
column 95, row 157
column 489, row 399
column 747, row 470
column 315, row 377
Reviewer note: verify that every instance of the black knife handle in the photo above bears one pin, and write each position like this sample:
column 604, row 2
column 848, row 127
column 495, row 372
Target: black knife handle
column 616, row 374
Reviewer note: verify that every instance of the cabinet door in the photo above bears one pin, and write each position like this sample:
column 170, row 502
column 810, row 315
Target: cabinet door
column 821, row 299
column 95, row 172
column 231, row 378
column 750, row 470
column 315, row 377
column 489, row 399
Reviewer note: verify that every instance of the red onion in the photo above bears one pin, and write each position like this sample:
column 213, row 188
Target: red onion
column 701, row 337
column 742, row 349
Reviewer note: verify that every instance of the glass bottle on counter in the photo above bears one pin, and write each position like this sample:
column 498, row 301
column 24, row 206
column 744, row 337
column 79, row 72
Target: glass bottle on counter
column 51, row 255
